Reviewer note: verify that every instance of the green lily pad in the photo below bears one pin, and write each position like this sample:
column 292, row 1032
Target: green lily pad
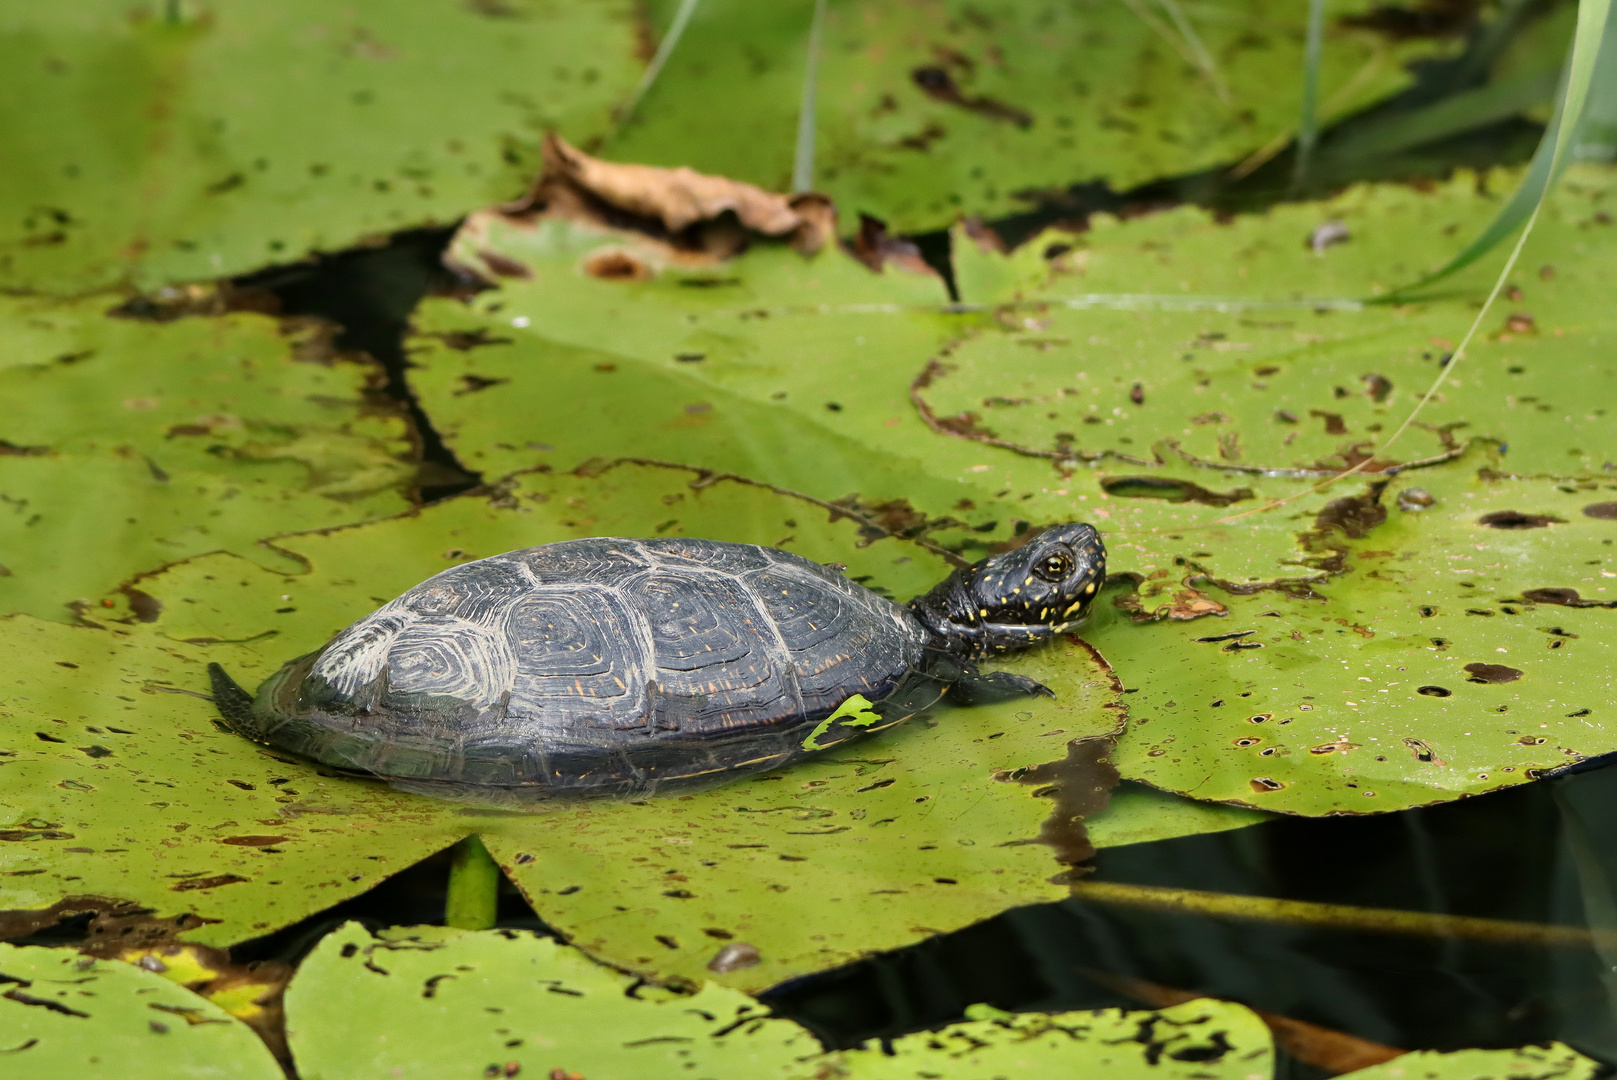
column 923, row 828
column 1176, row 335
column 64, row 1014
column 1554, row 1061
column 925, row 111
column 1466, row 647
column 144, row 149
column 1201, row 1038
column 118, row 785
column 430, row 1001
column 132, row 444
column 788, row 371
column 427, row 1001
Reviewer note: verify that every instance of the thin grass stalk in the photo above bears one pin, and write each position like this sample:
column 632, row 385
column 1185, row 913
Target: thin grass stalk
column 803, row 160
column 1308, row 122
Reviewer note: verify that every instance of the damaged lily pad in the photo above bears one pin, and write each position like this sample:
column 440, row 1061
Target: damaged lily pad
column 436, row 1001
column 1467, row 645
column 1238, row 348
column 150, row 144
column 1553, row 1061
column 130, row 444
column 928, row 827
column 65, row 1014
column 928, row 110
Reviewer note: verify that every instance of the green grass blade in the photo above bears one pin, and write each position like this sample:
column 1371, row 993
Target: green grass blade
column 1308, row 123
column 803, row 161
column 1594, row 36
column 665, row 49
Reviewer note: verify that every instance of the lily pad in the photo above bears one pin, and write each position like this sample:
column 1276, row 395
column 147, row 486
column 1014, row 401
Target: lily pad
column 1241, row 349
column 925, row 828
column 65, row 1014
column 1467, row 646
column 118, row 786
column 1554, row 1061
column 148, row 146
column 430, row 1001
column 1201, row 1038
column 914, row 101
column 425, row 1001
column 130, row 444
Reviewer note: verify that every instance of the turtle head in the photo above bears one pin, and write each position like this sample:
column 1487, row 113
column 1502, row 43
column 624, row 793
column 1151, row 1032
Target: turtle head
column 1020, row 597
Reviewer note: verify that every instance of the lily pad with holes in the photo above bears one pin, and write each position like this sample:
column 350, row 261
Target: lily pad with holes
column 129, row 444
column 1238, row 347
column 1553, row 1061
column 432, row 1001
column 924, row 828
column 925, row 111
column 929, row 827
column 1466, row 646
column 65, row 1014
column 147, row 145
column 810, row 373
column 1200, row 1038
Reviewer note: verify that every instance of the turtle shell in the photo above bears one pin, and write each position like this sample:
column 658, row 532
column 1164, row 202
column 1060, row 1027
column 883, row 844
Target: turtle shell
column 607, row 666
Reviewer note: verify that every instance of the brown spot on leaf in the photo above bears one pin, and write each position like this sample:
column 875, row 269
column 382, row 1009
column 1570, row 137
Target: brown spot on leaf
column 1604, row 511
column 214, row 882
column 616, row 266
column 1333, row 421
column 874, row 246
column 1491, row 673
column 1377, row 386
column 1564, row 597
column 1515, row 519
column 939, row 85
column 254, row 841
column 1156, row 487
column 1435, row 691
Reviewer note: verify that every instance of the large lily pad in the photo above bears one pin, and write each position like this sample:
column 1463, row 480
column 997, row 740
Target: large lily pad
column 130, row 444
column 922, row 829
column 64, row 1014
column 1240, row 347
column 432, row 1002
column 929, row 110
column 1468, row 647
column 151, row 146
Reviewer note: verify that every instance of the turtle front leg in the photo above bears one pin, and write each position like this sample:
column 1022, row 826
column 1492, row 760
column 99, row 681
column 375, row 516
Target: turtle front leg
column 986, row 688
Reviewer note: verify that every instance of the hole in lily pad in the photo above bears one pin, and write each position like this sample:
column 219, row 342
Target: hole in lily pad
column 1435, row 691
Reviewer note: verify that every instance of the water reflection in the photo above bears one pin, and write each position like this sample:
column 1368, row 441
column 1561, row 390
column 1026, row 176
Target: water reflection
column 1541, row 853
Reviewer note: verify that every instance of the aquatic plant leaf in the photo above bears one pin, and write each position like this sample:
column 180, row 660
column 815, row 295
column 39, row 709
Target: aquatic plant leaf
column 429, row 1001
column 929, row 826
column 66, row 1014
column 118, row 784
column 1466, row 646
column 1553, row 1061
column 1178, row 335
column 128, row 444
column 1201, row 1038
column 913, row 101
column 148, row 147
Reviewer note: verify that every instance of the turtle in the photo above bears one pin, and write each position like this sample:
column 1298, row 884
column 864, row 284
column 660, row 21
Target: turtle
column 629, row 667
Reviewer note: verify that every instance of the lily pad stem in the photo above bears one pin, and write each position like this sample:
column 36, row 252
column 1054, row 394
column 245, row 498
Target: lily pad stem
column 474, row 887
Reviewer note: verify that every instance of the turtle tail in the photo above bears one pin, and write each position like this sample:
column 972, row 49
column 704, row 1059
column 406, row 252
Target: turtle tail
column 235, row 704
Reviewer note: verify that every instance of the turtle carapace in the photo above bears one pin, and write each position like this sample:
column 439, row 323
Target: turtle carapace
column 627, row 667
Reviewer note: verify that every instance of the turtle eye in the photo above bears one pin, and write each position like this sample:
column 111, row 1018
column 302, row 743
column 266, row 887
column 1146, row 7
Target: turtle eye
column 1055, row 566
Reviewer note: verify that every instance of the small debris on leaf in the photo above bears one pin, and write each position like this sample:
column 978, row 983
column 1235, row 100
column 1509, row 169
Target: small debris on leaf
column 1415, row 499
column 1326, row 234
column 733, row 957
